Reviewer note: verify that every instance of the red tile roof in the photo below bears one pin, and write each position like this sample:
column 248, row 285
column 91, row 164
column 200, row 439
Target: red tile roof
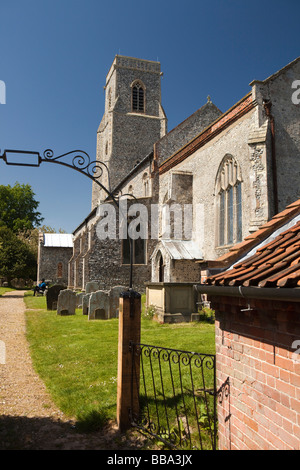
column 274, row 264
column 239, row 250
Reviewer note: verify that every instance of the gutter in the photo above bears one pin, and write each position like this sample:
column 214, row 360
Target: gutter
column 265, row 293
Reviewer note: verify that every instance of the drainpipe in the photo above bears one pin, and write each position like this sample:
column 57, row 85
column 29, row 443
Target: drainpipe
column 267, row 106
column 266, row 293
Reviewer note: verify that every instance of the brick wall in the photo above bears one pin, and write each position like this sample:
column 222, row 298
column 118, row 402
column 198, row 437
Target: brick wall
column 255, row 351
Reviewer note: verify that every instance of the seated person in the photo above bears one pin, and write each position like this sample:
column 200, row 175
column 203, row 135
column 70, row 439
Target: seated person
column 40, row 288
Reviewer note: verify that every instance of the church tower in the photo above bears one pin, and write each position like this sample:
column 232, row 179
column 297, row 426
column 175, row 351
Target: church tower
column 133, row 119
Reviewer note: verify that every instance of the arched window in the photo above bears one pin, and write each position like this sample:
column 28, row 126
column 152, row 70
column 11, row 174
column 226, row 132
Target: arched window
column 229, row 202
column 146, row 184
column 161, row 275
column 138, row 97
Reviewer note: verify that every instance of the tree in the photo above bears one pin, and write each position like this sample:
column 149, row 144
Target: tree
column 48, row 229
column 16, row 258
column 18, row 208
column 31, row 237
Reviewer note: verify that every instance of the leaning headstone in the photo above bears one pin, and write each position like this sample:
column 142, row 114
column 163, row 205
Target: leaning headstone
column 52, row 296
column 114, row 300
column 66, row 304
column 99, row 305
column 91, row 286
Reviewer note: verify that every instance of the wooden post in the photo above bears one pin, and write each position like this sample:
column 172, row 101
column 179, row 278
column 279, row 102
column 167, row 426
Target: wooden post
column 129, row 331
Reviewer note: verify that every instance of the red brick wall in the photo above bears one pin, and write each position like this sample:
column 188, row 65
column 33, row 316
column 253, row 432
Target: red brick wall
column 255, row 351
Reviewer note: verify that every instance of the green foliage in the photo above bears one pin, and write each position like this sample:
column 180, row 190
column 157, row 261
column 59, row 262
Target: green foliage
column 18, row 208
column 49, row 229
column 19, row 218
column 31, row 237
column 16, row 258
column 207, row 315
column 150, row 312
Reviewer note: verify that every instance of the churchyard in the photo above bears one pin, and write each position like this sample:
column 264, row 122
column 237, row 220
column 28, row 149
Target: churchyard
column 76, row 357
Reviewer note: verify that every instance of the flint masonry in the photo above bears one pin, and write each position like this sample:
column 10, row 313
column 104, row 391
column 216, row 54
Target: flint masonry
column 236, row 169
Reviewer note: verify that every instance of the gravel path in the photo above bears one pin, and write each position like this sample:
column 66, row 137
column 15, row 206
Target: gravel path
column 28, row 417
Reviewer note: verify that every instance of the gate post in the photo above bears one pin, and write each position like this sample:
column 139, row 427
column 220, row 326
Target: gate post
column 129, row 331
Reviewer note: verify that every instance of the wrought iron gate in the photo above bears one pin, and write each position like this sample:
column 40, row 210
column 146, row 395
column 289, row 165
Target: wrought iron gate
column 174, row 396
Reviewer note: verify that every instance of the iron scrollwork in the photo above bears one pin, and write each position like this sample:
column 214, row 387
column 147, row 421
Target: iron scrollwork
column 81, row 161
column 177, row 399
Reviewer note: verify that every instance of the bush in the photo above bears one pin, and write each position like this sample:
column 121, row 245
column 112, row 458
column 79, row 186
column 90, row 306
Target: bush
column 150, row 312
column 207, row 315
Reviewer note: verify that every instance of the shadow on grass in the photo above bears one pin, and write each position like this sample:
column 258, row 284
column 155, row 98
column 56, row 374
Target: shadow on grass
column 91, row 421
column 23, row 433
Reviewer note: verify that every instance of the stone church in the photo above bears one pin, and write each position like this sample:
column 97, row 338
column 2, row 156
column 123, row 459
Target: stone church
column 226, row 173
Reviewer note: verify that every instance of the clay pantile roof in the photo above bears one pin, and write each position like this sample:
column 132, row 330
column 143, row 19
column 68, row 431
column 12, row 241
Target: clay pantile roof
column 275, row 263
column 239, row 250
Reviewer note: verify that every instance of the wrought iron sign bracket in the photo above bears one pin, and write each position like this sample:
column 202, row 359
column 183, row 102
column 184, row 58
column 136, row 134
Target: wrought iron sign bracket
column 78, row 160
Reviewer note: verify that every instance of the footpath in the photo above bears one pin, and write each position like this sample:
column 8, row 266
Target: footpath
column 29, row 420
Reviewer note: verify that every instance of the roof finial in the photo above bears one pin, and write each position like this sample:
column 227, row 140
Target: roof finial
column 209, row 99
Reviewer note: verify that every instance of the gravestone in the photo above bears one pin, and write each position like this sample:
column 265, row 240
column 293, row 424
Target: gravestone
column 85, row 304
column 52, row 296
column 18, row 283
column 66, row 304
column 79, row 296
column 91, row 286
column 99, row 305
column 114, row 300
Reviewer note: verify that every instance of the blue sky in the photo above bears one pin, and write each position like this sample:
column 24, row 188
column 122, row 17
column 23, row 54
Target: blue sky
column 55, row 55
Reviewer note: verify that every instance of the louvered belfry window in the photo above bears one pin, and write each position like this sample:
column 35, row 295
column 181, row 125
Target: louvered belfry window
column 138, row 98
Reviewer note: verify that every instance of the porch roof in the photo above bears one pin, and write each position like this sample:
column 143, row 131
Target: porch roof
column 182, row 249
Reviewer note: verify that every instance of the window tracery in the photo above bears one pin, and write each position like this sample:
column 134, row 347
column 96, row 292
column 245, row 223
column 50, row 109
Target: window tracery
column 229, row 202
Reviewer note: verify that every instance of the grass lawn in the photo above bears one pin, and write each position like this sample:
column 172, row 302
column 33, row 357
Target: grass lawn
column 3, row 290
column 77, row 358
